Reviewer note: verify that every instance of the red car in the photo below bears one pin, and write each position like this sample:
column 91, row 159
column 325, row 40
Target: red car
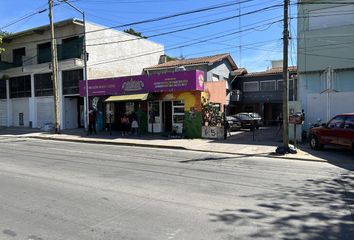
column 339, row 131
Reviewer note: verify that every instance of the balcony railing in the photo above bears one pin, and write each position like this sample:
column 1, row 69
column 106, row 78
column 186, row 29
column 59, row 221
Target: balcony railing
column 7, row 65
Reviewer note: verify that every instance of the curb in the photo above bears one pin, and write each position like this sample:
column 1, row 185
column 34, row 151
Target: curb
column 173, row 147
column 109, row 143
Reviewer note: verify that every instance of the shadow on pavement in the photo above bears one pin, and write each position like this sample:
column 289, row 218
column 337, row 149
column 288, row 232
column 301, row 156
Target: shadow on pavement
column 17, row 131
column 339, row 157
column 319, row 209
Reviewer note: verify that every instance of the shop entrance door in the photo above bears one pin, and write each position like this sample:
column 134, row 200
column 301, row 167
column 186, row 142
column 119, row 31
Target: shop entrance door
column 167, row 116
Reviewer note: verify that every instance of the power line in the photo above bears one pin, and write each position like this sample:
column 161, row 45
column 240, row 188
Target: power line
column 134, row 23
column 322, row 3
column 229, row 33
column 27, row 16
column 189, row 28
column 172, row 48
column 172, row 16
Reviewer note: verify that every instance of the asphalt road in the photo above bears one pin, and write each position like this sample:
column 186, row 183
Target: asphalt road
column 61, row 190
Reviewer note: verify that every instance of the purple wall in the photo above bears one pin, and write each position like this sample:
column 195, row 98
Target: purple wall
column 166, row 82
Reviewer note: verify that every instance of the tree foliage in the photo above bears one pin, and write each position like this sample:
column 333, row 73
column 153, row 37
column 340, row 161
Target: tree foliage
column 169, row 58
column 133, row 32
column 2, row 34
column 1, row 49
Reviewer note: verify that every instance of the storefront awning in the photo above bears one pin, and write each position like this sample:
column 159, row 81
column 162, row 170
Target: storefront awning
column 132, row 97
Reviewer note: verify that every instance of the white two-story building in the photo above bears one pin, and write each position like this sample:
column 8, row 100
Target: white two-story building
column 26, row 85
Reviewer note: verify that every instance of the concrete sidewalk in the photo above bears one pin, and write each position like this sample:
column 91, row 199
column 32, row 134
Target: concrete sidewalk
column 262, row 144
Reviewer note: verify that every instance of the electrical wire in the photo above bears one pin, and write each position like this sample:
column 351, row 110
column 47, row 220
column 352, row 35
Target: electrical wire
column 189, row 28
column 129, row 24
column 27, row 16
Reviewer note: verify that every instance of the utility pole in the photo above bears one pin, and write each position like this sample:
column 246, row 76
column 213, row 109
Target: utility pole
column 86, row 99
column 54, row 69
column 286, row 76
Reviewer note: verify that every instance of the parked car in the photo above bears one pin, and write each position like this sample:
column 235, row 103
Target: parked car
column 249, row 120
column 234, row 123
column 257, row 118
column 339, row 131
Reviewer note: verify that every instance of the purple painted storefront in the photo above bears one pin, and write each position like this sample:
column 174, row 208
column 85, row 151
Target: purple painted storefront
column 167, row 82
column 172, row 100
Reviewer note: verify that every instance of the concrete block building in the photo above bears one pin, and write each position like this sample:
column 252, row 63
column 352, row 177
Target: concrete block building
column 325, row 58
column 26, row 86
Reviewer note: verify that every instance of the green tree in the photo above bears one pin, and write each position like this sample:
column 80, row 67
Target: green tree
column 169, row 58
column 1, row 49
column 133, row 32
column 2, row 35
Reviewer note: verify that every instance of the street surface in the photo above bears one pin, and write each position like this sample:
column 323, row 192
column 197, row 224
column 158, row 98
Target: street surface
column 64, row 190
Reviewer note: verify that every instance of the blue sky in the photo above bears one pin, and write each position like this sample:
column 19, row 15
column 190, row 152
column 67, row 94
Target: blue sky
column 260, row 34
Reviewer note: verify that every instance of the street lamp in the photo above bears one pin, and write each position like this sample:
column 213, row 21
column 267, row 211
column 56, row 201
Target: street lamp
column 85, row 64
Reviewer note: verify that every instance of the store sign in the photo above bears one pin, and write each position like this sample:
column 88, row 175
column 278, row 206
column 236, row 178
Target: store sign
column 166, row 82
column 132, row 85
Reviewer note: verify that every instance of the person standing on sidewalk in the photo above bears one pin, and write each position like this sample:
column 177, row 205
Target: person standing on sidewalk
column 135, row 127
column 279, row 121
column 125, row 124
column 92, row 122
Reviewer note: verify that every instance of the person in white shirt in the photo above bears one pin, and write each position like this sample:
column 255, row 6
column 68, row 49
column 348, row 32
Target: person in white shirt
column 135, row 127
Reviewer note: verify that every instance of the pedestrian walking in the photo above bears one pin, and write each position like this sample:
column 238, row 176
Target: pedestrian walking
column 92, row 122
column 125, row 124
column 279, row 121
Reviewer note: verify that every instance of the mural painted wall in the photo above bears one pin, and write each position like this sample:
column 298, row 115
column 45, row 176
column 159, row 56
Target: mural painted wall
column 192, row 111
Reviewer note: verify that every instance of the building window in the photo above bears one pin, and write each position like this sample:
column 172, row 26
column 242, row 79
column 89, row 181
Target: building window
column 250, row 86
column 178, row 112
column 71, row 81
column 215, row 77
column 331, row 17
column 70, row 48
column 3, row 94
column 268, row 86
column 44, row 53
column 280, row 85
column 178, row 107
column 43, row 84
column 20, row 87
column 17, row 55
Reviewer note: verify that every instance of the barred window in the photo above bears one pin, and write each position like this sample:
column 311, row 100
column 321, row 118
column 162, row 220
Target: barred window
column 280, row 85
column 20, row 86
column 71, row 81
column 250, row 87
column 268, row 85
column 43, row 84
